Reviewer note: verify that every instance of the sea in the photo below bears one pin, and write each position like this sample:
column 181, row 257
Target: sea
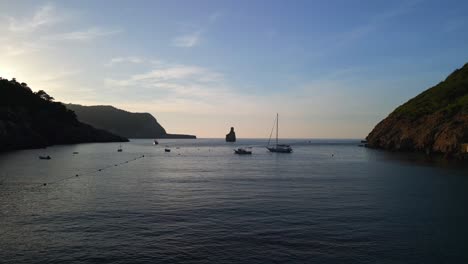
column 330, row 201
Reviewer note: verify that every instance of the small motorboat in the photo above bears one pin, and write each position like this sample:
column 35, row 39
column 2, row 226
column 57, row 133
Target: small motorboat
column 76, row 152
column 243, row 151
column 167, row 150
column 155, row 142
column 45, row 157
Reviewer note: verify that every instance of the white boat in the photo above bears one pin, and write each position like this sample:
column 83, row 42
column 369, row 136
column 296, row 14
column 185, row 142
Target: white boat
column 243, row 151
column 280, row 148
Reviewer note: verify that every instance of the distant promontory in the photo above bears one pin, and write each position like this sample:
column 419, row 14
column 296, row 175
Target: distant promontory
column 121, row 122
column 32, row 120
column 435, row 121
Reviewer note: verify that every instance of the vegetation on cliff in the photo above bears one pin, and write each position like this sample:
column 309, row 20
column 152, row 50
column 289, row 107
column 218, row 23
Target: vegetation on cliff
column 434, row 121
column 32, row 119
column 121, row 122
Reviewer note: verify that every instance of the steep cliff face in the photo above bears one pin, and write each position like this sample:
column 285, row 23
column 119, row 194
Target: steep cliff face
column 121, row 122
column 32, row 120
column 434, row 121
column 231, row 136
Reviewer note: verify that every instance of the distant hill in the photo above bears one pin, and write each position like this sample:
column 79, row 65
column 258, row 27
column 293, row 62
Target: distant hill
column 33, row 120
column 121, row 122
column 434, row 121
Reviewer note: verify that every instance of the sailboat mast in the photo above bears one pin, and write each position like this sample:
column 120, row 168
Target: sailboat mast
column 277, row 128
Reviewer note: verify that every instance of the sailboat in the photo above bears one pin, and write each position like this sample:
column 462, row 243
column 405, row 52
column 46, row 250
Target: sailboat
column 281, row 148
column 120, row 148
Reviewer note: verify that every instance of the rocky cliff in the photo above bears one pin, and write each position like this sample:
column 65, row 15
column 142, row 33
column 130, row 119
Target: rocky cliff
column 121, row 122
column 33, row 120
column 434, row 121
column 231, row 136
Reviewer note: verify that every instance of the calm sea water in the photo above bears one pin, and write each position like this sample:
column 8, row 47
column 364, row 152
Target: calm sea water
column 328, row 202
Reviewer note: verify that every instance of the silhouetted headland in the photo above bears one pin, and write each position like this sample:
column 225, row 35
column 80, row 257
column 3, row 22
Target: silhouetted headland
column 121, row 122
column 33, row 120
column 435, row 121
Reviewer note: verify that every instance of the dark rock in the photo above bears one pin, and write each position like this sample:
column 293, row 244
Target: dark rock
column 231, row 136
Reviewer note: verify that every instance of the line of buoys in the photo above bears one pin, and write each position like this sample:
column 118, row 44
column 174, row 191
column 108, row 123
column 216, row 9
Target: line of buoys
column 95, row 171
column 76, row 175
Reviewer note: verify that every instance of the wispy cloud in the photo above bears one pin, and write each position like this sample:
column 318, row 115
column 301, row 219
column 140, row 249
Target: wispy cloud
column 215, row 16
column 170, row 77
column 359, row 32
column 454, row 24
column 194, row 37
column 45, row 15
column 131, row 59
column 16, row 50
column 63, row 74
column 188, row 40
column 84, row 35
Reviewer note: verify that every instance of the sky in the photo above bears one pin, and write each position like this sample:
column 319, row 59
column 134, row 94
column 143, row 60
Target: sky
column 331, row 69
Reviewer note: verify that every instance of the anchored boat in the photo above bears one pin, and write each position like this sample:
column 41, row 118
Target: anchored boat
column 280, row 148
column 243, row 151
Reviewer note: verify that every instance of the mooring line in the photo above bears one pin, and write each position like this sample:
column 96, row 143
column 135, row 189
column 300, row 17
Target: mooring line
column 90, row 172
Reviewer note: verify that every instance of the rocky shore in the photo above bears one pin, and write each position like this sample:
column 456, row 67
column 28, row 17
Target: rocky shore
column 436, row 121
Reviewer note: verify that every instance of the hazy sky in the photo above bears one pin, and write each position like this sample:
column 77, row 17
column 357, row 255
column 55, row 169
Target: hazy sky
column 332, row 69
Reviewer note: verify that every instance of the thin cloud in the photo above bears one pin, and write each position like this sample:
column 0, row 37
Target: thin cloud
column 64, row 74
column 84, row 35
column 45, row 15
column 215, row 16
column 131, row 59
column 188, row 40
column 178, row 74
column 349, row 37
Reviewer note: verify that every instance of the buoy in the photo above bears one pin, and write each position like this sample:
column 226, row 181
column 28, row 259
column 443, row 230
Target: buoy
column 76, row 175
column 45, row 184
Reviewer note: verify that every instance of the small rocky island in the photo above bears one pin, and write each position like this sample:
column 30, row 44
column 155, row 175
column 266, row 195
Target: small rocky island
column 33, row 120
column 435, row 121
column 231, row 136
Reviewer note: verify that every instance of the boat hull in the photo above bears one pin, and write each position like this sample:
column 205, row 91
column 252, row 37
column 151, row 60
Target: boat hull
column 280, row 150
column 245, row 152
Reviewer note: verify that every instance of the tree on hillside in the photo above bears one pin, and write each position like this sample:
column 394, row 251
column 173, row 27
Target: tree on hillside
column 42, row 94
